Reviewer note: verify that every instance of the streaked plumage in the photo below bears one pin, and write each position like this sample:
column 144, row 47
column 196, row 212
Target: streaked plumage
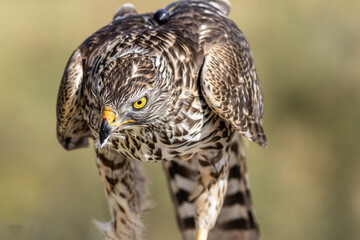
column 177, row 88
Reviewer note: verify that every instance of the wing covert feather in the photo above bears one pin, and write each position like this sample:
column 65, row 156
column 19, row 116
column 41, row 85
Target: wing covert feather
column 231, row 86
column 72, row 130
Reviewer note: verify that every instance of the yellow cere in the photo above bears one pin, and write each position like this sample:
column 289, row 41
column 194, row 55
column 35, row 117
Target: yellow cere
column 140, row 103
column 110, row 116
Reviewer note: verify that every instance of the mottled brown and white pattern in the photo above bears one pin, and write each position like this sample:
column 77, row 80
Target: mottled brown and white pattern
column 178, row 86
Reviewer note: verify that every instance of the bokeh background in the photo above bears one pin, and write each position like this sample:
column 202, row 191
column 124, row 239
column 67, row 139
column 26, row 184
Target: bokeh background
column 306, row 184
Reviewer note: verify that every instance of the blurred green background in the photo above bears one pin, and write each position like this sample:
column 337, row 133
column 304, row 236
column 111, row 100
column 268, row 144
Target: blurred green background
column 306, row 184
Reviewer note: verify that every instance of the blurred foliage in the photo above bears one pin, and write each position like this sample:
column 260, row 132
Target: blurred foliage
column 305, row 184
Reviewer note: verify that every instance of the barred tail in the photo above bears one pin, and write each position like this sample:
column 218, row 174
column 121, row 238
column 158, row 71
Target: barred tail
column 237, row 218
column 182, row 180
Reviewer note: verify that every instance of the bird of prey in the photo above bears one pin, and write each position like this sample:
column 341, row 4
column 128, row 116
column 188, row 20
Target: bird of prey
column 179, row 87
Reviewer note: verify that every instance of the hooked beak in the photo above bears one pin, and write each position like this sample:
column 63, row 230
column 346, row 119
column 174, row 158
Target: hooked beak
column 108, row 125
column 105, row 131
column 108, row 122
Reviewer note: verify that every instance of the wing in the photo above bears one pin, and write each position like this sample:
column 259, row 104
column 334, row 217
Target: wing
column 125, row 10
column 228, row 79
column 71, row 126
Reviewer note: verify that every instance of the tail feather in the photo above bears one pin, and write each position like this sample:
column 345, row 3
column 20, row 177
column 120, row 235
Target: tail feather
column 182, row 181
column 237, row 217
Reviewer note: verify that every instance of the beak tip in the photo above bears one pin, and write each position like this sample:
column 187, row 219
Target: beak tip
column 102, row 144
column 105, row 131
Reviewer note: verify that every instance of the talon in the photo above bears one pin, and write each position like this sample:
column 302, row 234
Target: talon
column 202, row 234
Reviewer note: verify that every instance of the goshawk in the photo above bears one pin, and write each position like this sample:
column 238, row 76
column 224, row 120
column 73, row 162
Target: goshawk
column 177, row 86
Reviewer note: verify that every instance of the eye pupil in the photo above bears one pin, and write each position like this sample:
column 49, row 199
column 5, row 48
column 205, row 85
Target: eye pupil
column 140, row 103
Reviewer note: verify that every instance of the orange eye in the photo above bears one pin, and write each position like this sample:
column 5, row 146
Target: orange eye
column 140, row 103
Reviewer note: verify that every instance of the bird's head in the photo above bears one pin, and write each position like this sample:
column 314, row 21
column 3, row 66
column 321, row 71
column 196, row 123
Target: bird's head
column 134, row 92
